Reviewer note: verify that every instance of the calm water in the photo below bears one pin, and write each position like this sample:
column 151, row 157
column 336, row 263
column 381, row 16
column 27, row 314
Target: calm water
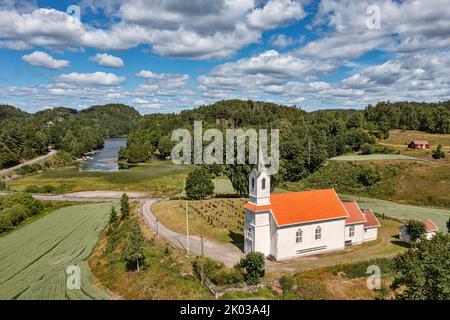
column 106, row 159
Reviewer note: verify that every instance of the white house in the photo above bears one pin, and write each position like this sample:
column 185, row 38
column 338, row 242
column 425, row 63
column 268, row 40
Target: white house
column 294, row 224
column 430, row 230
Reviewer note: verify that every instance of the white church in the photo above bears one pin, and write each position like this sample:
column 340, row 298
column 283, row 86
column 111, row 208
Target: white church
column 288, row 225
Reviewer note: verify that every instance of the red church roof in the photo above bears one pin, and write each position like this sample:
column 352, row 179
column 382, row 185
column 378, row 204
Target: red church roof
column 424, row 142
column 372, row 221
column 355, row 213
column 306, row 206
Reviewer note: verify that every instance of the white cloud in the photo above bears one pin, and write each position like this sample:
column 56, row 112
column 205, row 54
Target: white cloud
column 281, row 40
column 276, row 13
column 42, row 59
column 96, row 78
column 107, row 60
column 164, row 84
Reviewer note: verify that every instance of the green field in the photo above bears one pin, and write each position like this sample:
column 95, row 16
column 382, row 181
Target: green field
column 402, row 211
column 34, row 259
column 372, row 157
column 159, row 177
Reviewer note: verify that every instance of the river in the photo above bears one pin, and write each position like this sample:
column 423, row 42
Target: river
column 106, row 159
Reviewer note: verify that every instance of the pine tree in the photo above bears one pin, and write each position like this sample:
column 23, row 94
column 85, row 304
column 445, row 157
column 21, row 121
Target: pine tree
column 113, row 216
column 124, row 206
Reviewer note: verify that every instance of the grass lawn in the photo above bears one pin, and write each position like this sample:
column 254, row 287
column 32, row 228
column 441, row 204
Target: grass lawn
column 374, row 157
column 34, row 259
column 402, row 211
column 216, row 219
column 159, row 177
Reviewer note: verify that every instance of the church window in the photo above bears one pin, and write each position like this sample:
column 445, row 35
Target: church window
column 318, row 233
column 264, row 183
column 299, row 236
column 253, row 183
column 351, row 231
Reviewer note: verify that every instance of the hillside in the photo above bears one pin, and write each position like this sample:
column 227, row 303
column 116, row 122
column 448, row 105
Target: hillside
column 74, row 132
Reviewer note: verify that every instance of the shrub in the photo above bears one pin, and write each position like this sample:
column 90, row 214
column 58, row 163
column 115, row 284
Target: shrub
column 5, row 223
column 48, row 189
column 33, row 206
column 124, row 206
column 28, row 169
column 32, row 189
column 438, row 153
column 226, row 276
column 2, row 185
column 287, row 283
column 252, row 265
column 16, row 214
column 209, row 266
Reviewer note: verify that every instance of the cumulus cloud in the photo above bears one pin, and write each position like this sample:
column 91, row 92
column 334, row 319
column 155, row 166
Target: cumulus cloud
column 276, row 13
column 42, row 59
column 280, row 40
column 107, row 60
column 163, row 84
column 95, row 78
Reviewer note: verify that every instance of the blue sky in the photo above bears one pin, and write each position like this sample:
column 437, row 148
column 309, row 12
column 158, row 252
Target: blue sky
column 165, row 56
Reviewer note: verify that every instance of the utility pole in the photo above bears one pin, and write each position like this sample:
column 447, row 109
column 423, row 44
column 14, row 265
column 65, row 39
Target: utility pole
column 309, row 153
column 157, row 227
column 187, row 228
column 203, row 262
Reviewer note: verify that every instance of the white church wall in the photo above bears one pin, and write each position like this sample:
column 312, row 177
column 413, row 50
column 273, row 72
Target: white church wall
column 370, row 234
column 358, row 237
column 262, row 233
column 332, row 239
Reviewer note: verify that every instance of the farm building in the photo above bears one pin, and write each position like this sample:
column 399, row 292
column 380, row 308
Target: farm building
column 419, row 144
column 294, row 224
column 430, row 230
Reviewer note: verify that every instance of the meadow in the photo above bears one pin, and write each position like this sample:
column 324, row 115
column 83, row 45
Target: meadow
column 374, row 157
column 157, row 178
column 34, row 259
column 402, row 138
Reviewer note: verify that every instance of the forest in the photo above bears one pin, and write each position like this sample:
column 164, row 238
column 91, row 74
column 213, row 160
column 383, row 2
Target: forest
column 24, row 136
column 307, row 139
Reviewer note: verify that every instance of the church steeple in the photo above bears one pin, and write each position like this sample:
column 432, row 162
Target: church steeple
column 259, row 183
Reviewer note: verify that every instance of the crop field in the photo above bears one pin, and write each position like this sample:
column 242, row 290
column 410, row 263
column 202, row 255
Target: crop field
column 158, row 178
column 403, row 211
column 374, row 157
column 34, row 259
column 216, row 219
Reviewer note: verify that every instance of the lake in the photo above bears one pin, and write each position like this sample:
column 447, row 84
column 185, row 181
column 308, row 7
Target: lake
column 106, row 159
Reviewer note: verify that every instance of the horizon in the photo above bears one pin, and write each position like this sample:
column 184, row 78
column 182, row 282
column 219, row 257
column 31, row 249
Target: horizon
column 165, row 57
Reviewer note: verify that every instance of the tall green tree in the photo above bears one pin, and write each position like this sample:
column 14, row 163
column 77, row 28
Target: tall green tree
column 415, row 229
column 199, row 184
column 125, row 206
column 238, row 175
column 423, row 272
column 133, row 253
column 113, row 216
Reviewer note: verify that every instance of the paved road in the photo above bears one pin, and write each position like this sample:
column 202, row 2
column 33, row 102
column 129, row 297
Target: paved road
column 5, row 172
column 227, row 253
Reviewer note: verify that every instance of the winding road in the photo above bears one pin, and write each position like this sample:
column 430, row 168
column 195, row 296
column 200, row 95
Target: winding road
column 5, row 172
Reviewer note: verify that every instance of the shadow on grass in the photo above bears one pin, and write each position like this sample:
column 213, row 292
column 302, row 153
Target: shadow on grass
column 401, row 244
column 237, row 239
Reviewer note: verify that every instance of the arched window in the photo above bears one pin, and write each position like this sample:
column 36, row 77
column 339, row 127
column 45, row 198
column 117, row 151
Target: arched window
column 299, row 236
column 351, row 231
column 249, row 234
column 263, row 183
column 318, row 233
column 253, row 183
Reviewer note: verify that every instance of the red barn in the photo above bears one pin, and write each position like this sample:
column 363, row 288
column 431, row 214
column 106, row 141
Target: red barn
column 419, row 144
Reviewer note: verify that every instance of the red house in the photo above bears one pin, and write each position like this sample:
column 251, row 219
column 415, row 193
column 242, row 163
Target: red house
column 419, row 144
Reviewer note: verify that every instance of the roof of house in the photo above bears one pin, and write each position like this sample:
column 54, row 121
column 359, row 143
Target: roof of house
column 420, row 142
column 306, row 206
column 255, row 208
column 430, row 226
column 355, row 214
column 372, row 221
